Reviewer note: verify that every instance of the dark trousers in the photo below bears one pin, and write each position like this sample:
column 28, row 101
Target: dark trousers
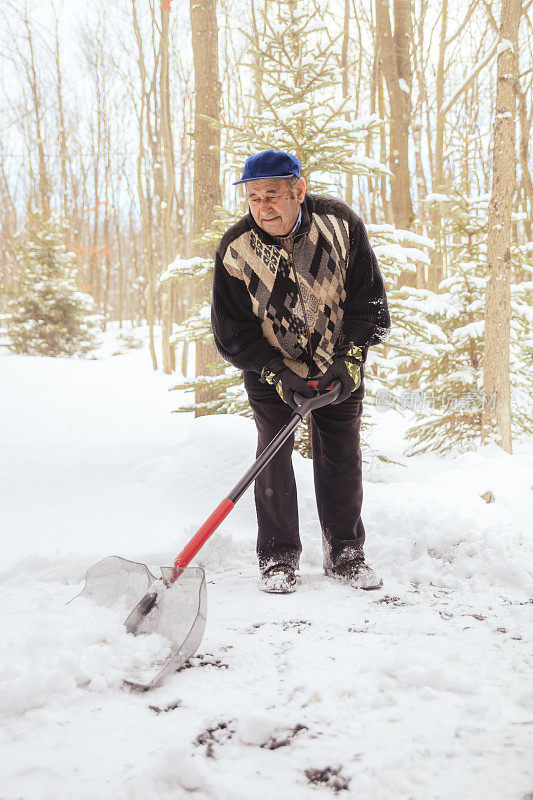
column 337, row 473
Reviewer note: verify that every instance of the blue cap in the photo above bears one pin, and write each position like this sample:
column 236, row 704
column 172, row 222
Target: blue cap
column 270, row 164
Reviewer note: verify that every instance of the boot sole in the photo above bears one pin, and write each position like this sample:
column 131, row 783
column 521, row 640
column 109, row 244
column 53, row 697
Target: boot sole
column 347, row 582
column 273, row 590
column 278, row 591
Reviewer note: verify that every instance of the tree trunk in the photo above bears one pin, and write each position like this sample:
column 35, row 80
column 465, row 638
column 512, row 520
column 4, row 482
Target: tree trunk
column 496, row 378
column 32, row 72
column 383, row 181
column 437, row 260
column 421, row 184
column 145, row 200
column 258, row 61
column 525, row 133
column 395, row 60
column 206, row 181
column 169, row 187
column 345, row 87
column 61, row 126
column 372, row 183
column 107, row 238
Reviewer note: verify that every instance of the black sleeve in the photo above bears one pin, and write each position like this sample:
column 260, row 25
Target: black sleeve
column 366, row 312
column 237, row 331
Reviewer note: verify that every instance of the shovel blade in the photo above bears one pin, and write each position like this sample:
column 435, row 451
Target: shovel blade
column 115, row 579
column 177, row 611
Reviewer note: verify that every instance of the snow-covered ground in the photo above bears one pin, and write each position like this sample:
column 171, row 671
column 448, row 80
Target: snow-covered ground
column 420, row 691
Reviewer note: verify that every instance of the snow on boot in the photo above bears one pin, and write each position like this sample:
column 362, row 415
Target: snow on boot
column 279, row 579
column 355, row 573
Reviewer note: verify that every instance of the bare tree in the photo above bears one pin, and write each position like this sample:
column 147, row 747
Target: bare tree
column 206, row 182
column 441, row 118
column 143, row 183
column 345, row 85
column 25, row 58
column 394, row 52
column 496, row 379
column 168, row 177
column 61, row 120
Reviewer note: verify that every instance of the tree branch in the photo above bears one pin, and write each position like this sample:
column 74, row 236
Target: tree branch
column 446, row 107
column 463, row 24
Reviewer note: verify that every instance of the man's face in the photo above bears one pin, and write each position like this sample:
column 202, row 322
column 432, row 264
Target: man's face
column 274, row 205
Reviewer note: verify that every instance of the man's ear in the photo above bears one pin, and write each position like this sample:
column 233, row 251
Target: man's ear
column 300, row 190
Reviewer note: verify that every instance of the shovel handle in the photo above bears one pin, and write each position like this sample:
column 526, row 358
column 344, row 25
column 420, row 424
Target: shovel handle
column 305, row 405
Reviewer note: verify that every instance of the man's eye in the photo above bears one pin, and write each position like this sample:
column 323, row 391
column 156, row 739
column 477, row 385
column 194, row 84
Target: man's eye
column 268, row 197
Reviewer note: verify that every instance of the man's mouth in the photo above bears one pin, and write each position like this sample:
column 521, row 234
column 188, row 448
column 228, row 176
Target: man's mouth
column 269, row 219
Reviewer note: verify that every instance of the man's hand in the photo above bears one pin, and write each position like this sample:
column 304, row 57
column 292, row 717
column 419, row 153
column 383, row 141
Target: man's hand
column 285, row 381
column 346, row 369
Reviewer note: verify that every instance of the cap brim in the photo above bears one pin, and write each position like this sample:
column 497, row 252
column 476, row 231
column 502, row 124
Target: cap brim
column 264, row 178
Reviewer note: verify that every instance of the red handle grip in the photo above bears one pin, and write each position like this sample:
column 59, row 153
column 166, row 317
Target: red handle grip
column 203, row 534
column 314, row 385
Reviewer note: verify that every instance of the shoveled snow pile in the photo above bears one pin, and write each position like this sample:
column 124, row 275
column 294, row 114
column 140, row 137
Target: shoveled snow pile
column 77, row 646
column 420, row 690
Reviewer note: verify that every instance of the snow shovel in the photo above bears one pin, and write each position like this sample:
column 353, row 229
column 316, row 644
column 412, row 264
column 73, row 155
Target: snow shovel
column 175, row 604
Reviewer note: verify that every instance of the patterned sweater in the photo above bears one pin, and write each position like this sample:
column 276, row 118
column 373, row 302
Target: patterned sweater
column 305, row 305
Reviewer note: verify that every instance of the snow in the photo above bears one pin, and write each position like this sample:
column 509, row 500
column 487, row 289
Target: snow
column 404, row 86
column 474, row 330
column 438, row 197
column 416, row 255
column 399, row 235
column 391, row 251
column 299, row 108
column 181, row 267
column 419, row 690
column 257, row 727
column 504, row 45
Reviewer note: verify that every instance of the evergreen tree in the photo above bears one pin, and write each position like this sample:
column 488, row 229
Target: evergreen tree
column 47, row 315
column 447, row 396
column 298, row 104
column 393, row 364
column 298, row 107
column 230, row 397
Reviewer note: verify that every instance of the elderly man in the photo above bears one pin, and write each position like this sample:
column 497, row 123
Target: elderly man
column 297, row 294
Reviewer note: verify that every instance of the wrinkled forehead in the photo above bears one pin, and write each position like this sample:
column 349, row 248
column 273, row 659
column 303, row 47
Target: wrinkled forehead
column 266, row 186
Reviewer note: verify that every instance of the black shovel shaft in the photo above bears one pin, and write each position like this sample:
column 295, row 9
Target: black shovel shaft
column 268, row 453
column 305, row 406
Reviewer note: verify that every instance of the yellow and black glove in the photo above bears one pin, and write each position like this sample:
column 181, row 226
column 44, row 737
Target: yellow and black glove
column 285, row 381
column 346, row 368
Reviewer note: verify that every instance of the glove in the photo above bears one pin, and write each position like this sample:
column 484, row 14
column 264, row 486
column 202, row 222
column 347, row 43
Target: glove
column 346, row 368
column 285, row 381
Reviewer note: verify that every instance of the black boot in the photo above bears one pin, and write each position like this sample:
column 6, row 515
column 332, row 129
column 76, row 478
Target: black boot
column 355, row 573
column 279, row 579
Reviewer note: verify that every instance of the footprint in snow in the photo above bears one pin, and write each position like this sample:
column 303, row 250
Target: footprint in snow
column 331, row 777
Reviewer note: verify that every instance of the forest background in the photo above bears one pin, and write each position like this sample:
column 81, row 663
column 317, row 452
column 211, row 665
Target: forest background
column 124, row 125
